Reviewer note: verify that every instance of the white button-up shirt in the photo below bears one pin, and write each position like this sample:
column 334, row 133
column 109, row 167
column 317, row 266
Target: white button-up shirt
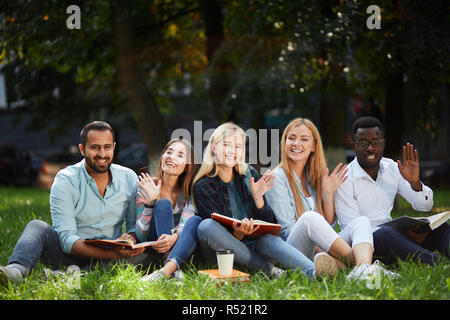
column 360, row 195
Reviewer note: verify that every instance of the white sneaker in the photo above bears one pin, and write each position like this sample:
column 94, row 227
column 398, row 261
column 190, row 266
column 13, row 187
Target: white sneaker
column 178, row 275
column 277, row 272
column 360, row 272
column 10, row 274
column 368, row 271
column 324, row 265
column 155, row 275
column 378, row 266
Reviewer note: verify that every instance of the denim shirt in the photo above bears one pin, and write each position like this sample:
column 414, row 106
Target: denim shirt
column 78, row 210
column 281, row 200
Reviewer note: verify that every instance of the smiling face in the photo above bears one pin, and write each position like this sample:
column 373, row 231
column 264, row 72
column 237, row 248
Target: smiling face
column 98, row 151
column 299, row 143
column 368, row 158
column 229, row 151
column 174, row 159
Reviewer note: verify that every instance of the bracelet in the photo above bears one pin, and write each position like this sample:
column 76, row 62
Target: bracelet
column 324, row 200
column 150, row 205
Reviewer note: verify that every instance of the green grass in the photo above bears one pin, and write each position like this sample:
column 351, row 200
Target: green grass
column 19, row 206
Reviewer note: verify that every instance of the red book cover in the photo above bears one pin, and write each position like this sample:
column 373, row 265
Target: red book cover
column 264, row 227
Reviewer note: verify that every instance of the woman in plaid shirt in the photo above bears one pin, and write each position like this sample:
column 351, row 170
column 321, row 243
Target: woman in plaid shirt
column 220, row 186
column 164, row 211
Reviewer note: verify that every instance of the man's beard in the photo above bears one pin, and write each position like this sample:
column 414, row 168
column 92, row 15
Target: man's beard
column 94, row 167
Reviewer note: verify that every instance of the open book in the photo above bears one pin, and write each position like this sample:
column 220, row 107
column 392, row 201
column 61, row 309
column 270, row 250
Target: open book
column 406, row 222
column 236, row 276
column 128, row 244
column 264, row 227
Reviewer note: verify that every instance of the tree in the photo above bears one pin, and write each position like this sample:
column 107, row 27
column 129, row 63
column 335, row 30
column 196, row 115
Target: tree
column 104, row 56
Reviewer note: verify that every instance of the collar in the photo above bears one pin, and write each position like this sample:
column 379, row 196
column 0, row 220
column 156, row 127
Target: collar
column 89, row 179
column 359, row 172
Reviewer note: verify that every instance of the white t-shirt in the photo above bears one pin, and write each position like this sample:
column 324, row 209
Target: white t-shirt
column 311, row 203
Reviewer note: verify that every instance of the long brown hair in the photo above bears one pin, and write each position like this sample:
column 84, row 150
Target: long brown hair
column 316, row 164
column 185, row 179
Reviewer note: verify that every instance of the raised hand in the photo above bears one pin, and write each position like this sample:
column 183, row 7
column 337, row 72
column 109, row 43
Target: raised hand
column 149, row 187
column 331, row 182
column 410, row 169
column 264, row 184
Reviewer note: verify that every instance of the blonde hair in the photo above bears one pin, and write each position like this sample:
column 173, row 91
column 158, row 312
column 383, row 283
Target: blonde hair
column 209, row 166
column 316, row 164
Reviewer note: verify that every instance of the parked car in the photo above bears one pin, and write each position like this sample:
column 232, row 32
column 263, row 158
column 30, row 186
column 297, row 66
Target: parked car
column 133, row 157
column 16, row 168
column 55, row 162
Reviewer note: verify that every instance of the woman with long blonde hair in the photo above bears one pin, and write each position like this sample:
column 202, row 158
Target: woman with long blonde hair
column 225, row 184
column 302, row 200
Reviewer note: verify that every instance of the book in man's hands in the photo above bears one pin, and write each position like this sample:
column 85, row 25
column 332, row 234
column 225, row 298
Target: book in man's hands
column 127, row 243
column 235, row 276
column 264, row 226
column 425, row 223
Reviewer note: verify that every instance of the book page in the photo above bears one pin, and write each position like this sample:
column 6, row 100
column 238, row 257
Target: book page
column 438, row 219
column 143, row 244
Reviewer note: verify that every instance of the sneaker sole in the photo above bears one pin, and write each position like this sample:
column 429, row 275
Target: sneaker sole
column 325, row 265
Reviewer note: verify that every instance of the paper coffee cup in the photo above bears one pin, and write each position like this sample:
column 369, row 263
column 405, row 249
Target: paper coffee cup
column 225, row 259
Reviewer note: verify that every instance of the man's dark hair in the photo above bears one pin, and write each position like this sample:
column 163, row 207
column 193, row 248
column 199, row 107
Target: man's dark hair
column 366, row 122
column 95, row 125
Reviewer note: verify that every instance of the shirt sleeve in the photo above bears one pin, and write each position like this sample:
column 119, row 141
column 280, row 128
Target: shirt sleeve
column 62, row 209
column 345, row 204
column 419, row 200
column 143, row 216
column 187, row 212
column 130, row 216
column 279, row 200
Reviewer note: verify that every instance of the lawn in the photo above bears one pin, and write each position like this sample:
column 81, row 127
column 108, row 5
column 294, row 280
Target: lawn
column 19, row 206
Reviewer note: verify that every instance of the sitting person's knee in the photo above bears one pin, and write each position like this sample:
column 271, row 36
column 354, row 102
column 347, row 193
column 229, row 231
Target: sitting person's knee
column 37, row 224
column 163, row 206
column 205, row 227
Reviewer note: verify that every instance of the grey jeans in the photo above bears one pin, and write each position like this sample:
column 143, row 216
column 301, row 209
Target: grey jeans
column 39, row 242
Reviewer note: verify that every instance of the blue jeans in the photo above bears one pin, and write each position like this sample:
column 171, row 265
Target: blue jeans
column 39, row 242
column 162, row 223
column 390, row 245
column 260, row 254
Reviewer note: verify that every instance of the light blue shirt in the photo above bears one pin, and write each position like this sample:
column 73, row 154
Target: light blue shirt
column 78, row 210
column 281, row 200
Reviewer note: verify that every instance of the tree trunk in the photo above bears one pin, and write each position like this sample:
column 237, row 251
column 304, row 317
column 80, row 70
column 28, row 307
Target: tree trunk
column 333, row 108
column 394, row 115
column 145, row 111
column 219, row 86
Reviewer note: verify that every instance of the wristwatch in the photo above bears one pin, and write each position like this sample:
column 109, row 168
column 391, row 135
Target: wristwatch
column 151, row 204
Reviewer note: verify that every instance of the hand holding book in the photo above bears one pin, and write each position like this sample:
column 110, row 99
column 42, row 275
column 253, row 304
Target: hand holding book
column 263, row 227
column 243, row 228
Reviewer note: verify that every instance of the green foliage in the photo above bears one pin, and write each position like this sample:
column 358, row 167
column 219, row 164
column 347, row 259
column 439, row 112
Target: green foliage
column 279, row 54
